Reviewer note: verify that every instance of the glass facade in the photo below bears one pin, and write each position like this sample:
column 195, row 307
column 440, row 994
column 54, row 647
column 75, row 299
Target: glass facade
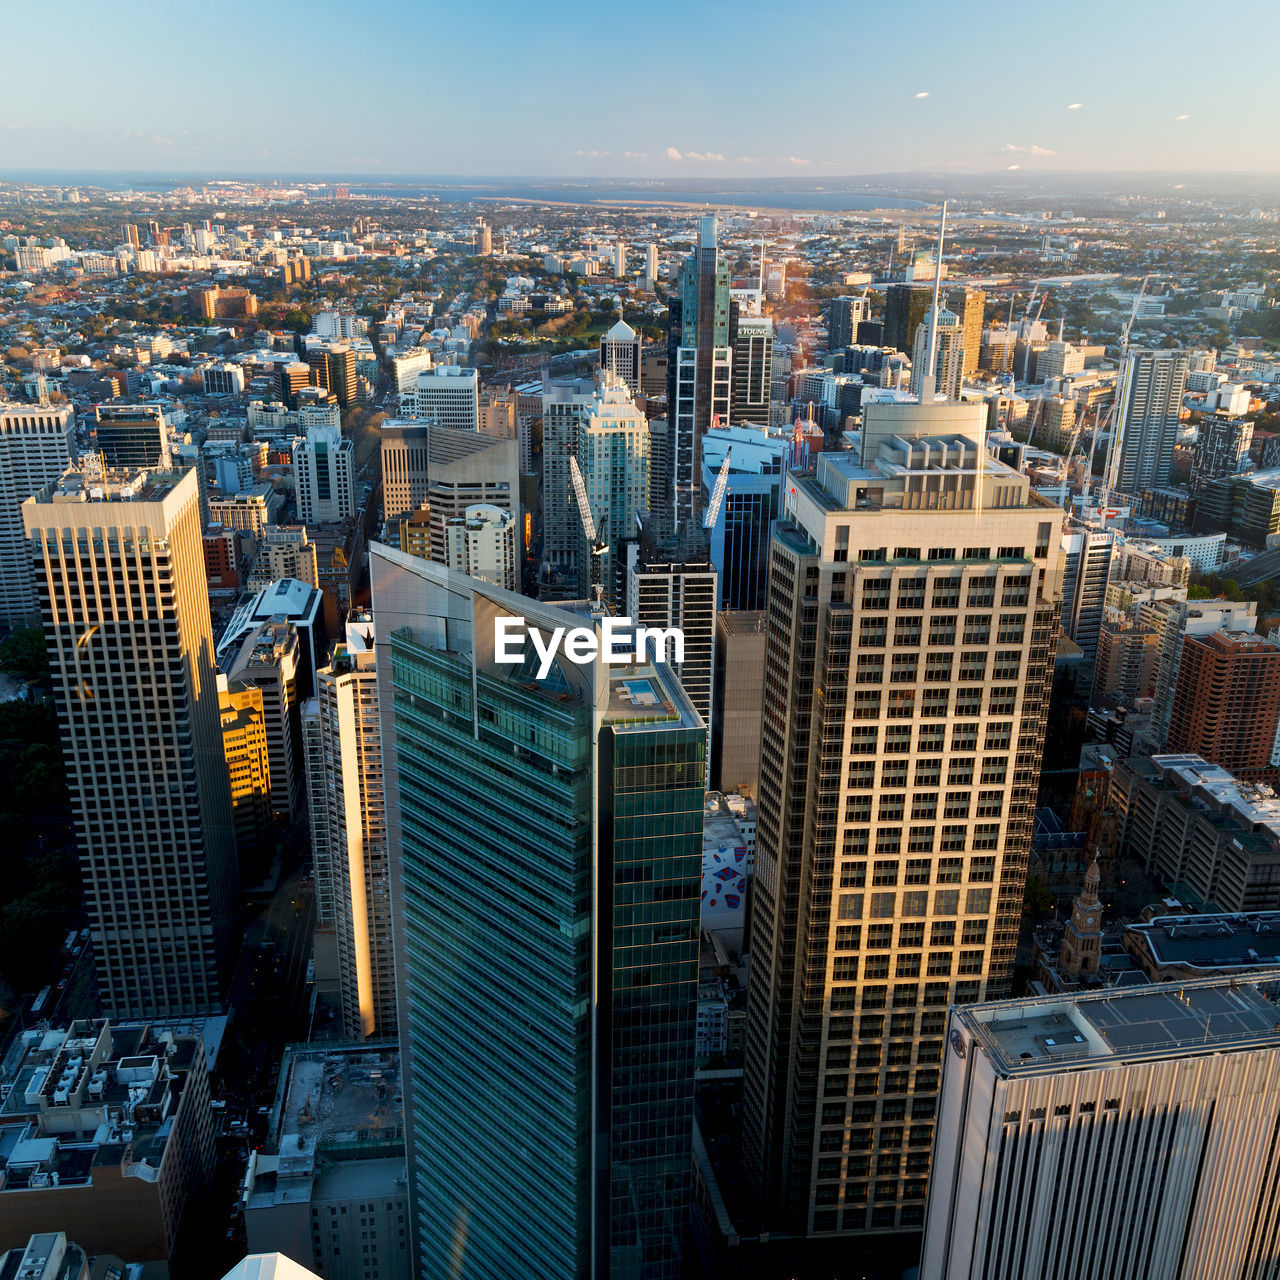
column 549, row 917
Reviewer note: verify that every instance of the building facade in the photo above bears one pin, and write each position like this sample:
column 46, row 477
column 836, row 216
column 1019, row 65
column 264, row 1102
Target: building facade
column 324, row 470
column 1149, row 403
column 913, row 605
column 119, row 566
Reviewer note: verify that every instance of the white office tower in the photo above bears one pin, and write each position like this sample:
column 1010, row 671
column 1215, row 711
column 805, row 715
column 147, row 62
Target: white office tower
column 1086, row 559
column 1126, row 1133
column 948, row 355
column 349, row 831
column 448, row 395
column 620, row 259
column 324, row 471
column 651, row 267
column 482, row 544
column 35, row 447
column 1146, row 421
column 620, row 354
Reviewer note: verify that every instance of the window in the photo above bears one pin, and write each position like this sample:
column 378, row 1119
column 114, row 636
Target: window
column 1016, row 590
column 893, row 773
column 911, row 594
column 897, row 739
column 933, row 702
column 990, row 804
column 953, row 837
column 969, row 701
column 906, row 553
column 975, row 933
column 915, row 902
column 892, row 807
column 885, row 872
column 999, row 736
column 1003, row 700
column 957, row 805
column 977, row 630
column 942, row 553
column 902, row 703
column 1044, row 534
column 981, row 592
column 849, row 906
column 848, row 937
column 857, row 809
column 866, row 704
column 946, row 902
column 946, row 593
column 924, row 804
column 845, row 969
column 853, row 875
column 908, row 966
column 949, row 870
column 937, row 668
column 959, row 773
column 973, row 666
column 964, row 736
column 920, row 840
column 981, row 869
column 928, row 772
column 862, row 740
column 862, row 775
column 939, row 963
column 882, row 904
column 918, row 871
column 977, row 902
column 877, row 967
column 994, row 768
column 943, row 933
column 977, row 553
column 1012, row 627
column 1007, row 664
column 873, row 633
column 874, row 555
column 888, row 839
column 986, row 835
column 911, row 935
column 904, row 668
column 875, row 595
column 870, row 668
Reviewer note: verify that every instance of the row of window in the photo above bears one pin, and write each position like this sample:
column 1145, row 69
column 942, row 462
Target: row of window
column 911, row 903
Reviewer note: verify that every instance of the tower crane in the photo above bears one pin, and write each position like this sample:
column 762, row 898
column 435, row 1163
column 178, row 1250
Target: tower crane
column 712, row 512
column 597, row 544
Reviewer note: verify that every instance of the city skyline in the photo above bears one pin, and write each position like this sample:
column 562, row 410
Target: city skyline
column 1111, row 111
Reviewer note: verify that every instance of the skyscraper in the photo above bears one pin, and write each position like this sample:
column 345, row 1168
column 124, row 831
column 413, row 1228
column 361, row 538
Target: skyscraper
column 546, row 838
column 905, row 308
column 620, row 259
column 131, row 435
column 448, row 395
column 35, row 447
column 120, row 576
column 701, row 360
column 1146, row 421
column 905, row 695
column 620, row 354
column 969, row 306
column 751, row 338
column 843, row 317
column 482, row 544
column 651, row 267
column 324, row 469
column 349, row 831
column 1086, row 569
column 1123, row 1132
column 946, row 355
column 244, row 743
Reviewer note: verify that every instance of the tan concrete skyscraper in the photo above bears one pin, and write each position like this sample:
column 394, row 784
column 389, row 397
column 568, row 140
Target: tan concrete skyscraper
column 120, row 575
column 913, row 605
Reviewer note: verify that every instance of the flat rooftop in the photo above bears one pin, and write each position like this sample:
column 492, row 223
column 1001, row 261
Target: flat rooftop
column 1212, row 941
column 341, row 1094
column 1126, row 1023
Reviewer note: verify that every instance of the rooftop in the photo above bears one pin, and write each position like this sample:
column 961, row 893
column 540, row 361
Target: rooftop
column 1126, row 1023
column 1211, row 941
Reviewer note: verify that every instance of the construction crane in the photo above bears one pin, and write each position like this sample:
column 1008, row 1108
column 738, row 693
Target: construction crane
column 597, row 544
column 1026, row 338
column 1112, row 475
column 712, row 512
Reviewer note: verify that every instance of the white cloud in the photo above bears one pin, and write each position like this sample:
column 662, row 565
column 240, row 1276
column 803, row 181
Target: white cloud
column 636, row 155
column 1074, row 106
column 1041, row 151
column 748, row 159
column 593, row 153
column 798, row 160
column 1182, row 117
column 1013, row 166
column 1034, row 149
column 925, row 94
column 673, row 154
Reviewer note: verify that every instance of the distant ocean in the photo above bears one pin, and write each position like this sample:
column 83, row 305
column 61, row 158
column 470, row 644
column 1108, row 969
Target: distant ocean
column 834, row 198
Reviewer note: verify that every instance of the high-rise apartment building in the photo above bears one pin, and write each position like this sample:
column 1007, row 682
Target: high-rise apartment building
column 35, row 448
column 131, row 436
column 947, row 355
column 651, row 267
column 1086, row 569
column 1222, row 448
column 1123, row 1132
column 1226, row 703
column 244, row 744
column 324, row 471
column 482, row 544
column 905, row 309
column 619, row 260
column 332, row 366
column 349, row 831
column 844, row 315
column 545, row 825
column 284, row 551
column 448, row 395
column 700, row 369
column 620, row 354
column 1146, row 421
column 969, row 305
column 913, row 604
column 119, row 567
column 751, row 339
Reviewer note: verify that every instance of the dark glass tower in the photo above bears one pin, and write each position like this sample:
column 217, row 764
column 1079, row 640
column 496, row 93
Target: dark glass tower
column 546, row 836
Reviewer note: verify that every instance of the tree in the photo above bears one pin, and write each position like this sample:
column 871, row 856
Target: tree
column 24, row 654
column 1037, row 901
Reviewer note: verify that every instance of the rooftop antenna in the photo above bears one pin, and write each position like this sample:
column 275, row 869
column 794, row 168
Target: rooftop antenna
column 761, row 283
column 930, row 379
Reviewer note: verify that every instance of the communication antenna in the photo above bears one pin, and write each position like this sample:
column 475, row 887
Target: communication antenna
column 930, row 379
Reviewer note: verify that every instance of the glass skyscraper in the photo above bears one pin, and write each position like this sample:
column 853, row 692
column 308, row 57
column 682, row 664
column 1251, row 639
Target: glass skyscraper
column 546, row 835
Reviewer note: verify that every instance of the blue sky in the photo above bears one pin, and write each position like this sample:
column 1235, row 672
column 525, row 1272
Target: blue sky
column 669, row 89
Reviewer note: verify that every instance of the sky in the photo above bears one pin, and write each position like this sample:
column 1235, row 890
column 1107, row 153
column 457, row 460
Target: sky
column 652, row 88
